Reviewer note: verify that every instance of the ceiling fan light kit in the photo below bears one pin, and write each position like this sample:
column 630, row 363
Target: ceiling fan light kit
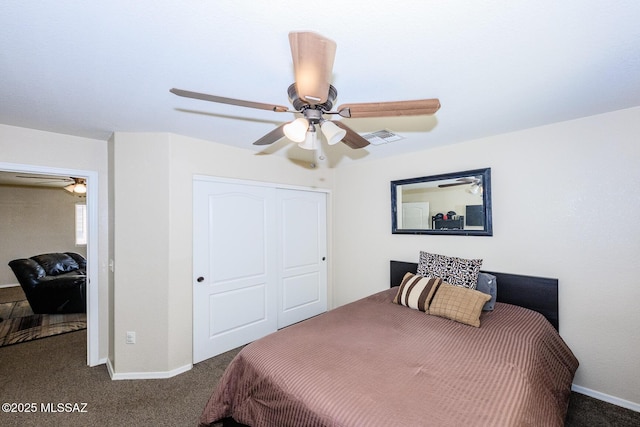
column 297, row 129
column 310, row 141
column 312, row 95
column 475, row 189
column 332, row 132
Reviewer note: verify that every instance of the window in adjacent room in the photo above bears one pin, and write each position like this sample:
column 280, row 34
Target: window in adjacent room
column 81, row 224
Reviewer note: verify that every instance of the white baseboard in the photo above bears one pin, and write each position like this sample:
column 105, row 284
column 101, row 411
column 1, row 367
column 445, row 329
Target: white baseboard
column 146, row 375
column 606, row 398
column 110, row 368
column 9, row 285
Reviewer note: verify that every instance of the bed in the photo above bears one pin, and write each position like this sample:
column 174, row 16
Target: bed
column 376, row 363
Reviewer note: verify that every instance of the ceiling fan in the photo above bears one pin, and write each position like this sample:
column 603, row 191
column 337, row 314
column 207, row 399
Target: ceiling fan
column 76, row 185
column 474, row 182
column 43, row 179
column 312, row 96
column 462, row 181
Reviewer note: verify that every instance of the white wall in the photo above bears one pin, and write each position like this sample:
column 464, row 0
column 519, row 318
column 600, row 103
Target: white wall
column 140, row 252
column 152, row 237
column 565, row 205
column 21, row 147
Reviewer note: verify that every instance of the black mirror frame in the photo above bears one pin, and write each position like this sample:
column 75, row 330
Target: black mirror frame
column 486, row 200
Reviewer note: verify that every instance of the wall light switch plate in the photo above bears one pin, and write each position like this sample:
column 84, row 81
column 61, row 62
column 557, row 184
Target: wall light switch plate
column 131, row 337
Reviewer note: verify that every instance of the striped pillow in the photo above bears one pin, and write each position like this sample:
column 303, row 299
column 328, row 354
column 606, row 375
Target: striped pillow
column 416, row 291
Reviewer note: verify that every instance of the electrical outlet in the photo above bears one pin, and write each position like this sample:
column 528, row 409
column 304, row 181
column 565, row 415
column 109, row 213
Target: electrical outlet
column 131, row 337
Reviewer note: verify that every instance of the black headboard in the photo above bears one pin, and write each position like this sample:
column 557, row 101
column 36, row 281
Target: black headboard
column 535, row 293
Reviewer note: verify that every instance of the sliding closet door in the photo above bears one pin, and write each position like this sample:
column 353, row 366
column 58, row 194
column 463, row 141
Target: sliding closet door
column 235, row 277
column 259, row 261
column 302, row 266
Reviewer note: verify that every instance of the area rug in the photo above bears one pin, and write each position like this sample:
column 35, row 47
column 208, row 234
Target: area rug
column 20, row 324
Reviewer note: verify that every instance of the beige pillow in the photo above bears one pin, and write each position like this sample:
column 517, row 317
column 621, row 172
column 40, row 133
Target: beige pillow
column 458, row 303
column 416, row 291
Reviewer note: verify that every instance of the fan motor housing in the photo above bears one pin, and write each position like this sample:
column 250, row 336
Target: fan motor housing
column 300, row 104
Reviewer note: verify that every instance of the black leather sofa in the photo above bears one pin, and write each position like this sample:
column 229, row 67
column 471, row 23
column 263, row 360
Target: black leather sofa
column 53, row 282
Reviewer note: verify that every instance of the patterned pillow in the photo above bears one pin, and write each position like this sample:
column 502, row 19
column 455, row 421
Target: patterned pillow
column 457, row 303
column 456, row 271
column 488, row 284
column 416, row 291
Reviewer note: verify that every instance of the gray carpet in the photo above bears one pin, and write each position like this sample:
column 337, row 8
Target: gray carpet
column 54, row 370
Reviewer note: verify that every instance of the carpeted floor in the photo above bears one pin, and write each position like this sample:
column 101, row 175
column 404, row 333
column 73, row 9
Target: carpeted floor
column 19, row 324
column 52, row 371
column 10, row 294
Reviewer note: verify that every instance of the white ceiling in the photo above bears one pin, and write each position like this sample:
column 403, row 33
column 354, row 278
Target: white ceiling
column 90, row 68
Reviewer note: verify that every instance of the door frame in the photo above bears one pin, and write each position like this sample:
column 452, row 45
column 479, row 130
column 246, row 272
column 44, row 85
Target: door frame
column 93, row 319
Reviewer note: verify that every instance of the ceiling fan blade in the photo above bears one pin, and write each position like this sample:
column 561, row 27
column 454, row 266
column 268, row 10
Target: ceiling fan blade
column 52, row 178
column 387, row 109
column 313, row 57
column 230, row 101
column 461, row 181
column 272, row 136
column 452, row 185
column 352, row 138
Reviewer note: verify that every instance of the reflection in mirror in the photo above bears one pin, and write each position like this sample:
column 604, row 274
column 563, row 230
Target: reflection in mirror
column 454, row 203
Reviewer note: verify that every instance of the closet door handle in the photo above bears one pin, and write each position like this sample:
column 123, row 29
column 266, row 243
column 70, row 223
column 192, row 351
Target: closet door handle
column 200, row 279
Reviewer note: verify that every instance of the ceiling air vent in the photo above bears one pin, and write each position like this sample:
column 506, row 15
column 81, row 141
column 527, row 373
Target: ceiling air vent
column 382, row 137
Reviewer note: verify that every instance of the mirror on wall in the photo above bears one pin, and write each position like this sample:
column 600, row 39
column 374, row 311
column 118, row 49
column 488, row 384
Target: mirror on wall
column 456, row 203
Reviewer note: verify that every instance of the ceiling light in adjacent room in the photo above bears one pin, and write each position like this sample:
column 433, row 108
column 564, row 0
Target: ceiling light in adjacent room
column 78, row 187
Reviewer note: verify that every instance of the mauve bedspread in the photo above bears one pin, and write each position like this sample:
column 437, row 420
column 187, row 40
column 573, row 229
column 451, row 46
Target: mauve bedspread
column 375, row 363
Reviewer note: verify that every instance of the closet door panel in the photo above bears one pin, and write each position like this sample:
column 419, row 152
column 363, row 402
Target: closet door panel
column 234, row 288
column 302, row 255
